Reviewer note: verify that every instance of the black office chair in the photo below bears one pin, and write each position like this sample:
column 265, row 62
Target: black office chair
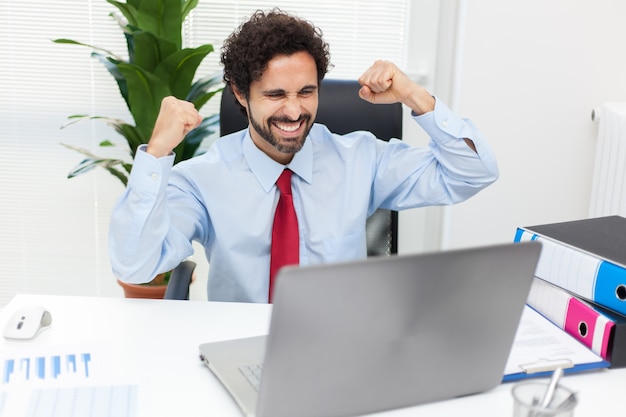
column 342, row 111
column 180, row 279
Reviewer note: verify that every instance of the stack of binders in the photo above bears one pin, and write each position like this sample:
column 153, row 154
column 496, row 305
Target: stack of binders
column 580, row 282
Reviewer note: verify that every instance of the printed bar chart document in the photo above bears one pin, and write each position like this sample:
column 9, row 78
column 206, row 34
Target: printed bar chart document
column 62, row 381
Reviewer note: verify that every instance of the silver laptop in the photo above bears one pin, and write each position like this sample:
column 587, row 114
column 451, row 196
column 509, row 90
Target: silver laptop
column 389, row 332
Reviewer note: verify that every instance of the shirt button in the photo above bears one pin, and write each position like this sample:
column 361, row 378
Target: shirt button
column 444, row 123
column 154, row 176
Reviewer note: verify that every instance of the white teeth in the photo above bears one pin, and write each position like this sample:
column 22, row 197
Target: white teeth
column 288, row 128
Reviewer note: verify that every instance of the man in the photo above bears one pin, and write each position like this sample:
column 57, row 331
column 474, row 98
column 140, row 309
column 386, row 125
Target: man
column 226, row 198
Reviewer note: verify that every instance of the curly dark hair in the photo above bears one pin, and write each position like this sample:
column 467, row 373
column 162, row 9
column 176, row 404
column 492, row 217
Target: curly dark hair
column 247, row 51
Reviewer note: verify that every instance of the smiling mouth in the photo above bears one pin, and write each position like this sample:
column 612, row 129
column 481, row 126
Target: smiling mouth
column 289, row 127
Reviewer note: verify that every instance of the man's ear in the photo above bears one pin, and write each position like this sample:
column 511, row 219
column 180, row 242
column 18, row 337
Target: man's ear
column 239, row 96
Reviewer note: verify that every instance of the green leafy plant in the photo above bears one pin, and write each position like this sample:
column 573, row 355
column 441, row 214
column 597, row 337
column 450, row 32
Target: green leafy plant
column 157, row 66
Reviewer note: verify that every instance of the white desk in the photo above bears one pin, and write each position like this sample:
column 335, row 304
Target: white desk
column 156, row 343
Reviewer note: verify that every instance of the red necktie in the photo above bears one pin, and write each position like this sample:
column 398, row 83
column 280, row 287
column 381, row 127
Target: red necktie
column 285, row 236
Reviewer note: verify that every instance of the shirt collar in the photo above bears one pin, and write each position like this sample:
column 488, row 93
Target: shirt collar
column 267, row 171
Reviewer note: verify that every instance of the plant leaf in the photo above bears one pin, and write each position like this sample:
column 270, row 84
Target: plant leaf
column 132, row 135
column 95, row 48
column 93, row 161
column 200, row 101
column 198, row 92
column 134, row 3
column 188, row 6
column 189, row 147
column 80, row 117
column 180, row 68
column 150, row 50
column 145, row 93
column 163, row 18
column 129, row 132
column 85, row 165
column 119, row 174
column 128, row 10
column 113, row 68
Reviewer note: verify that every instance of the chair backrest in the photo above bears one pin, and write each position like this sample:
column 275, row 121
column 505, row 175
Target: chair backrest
column 180, row 279
column 343, row 111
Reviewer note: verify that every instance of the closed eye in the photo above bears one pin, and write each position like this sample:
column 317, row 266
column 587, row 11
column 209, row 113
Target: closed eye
column 306, row 92
column 275, row 94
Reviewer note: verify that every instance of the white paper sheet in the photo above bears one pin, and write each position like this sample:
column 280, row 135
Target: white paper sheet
column 63, row 381
column 540, row 345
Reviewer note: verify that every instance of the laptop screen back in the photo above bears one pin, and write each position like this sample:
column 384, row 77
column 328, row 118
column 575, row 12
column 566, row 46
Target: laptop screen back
column 392, row 332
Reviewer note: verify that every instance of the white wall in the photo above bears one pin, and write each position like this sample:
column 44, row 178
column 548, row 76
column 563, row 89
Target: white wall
column 532, row 72
column 420, row 230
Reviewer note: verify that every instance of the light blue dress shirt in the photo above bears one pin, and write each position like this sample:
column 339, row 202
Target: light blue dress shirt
column 225, row 199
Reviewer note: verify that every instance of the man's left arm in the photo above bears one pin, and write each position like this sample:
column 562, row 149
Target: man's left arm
column 459, row 162
column 385, row 83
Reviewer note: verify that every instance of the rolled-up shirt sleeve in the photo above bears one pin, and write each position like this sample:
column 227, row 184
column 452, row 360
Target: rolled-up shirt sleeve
column 446, row 130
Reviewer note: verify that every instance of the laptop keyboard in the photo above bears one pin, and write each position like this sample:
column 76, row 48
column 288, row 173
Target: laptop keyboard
column 252, row 374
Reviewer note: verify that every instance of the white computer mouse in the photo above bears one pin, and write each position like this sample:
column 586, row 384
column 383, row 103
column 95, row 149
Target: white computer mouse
column 27, row 322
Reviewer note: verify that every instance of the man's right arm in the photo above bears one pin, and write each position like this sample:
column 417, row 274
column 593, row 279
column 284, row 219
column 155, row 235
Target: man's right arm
column 141, row 241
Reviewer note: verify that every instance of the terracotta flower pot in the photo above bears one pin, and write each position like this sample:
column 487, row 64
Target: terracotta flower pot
column 143, row 291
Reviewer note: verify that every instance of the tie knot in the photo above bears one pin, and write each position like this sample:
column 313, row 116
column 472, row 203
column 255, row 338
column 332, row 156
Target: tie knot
column 284, row 182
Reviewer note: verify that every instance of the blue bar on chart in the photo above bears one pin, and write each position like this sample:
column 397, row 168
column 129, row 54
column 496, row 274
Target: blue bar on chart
column 43, row 368
column 25, row 366
column 71, row 363
column 86, row 357
column 8, row 369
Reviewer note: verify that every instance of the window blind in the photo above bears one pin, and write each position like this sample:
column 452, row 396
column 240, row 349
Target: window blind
column 54, row 229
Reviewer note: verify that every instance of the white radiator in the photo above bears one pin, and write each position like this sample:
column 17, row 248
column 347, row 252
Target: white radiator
column 608, row 189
